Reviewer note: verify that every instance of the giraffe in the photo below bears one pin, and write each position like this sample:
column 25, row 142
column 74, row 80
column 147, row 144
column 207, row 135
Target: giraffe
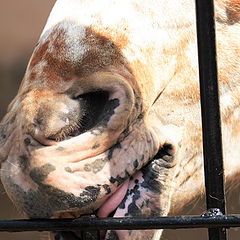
column 107, row 118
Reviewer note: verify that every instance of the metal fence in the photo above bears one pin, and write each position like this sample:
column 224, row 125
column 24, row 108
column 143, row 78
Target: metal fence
column 214, row 219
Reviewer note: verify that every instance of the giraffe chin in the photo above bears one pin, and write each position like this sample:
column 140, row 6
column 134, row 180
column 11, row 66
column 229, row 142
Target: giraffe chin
column 106, row 210
column 138, row 196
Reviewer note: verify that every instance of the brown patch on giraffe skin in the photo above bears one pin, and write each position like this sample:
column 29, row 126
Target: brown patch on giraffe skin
column 223, row 76
column 188, row 89
column 96, row 166
column 68, row 169
column 32, row 76
column 190, row 92
column 142, row 72
column 58, row 67
column 184, row 87
column 120, row 39
column 38, row 94
column 24, row 162
column 39, row 174
column 143, row 11
column 53, row 52
column 101, row 53
column 95, row 146
column 235, row 127
column 60, row 149
column 233, row 11
column 119, row 35
column 38, row 54
column 145, row 72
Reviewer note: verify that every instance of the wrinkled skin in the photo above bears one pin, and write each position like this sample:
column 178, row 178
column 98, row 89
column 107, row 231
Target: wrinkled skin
column 107, row 118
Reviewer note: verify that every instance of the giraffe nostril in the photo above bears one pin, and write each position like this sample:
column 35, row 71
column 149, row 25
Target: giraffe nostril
column 55, row 117
column 93, row 108
column 39, row 121
column 69, row 117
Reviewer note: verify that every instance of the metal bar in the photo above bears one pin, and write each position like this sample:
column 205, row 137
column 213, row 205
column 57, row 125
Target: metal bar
column 119, row 223
column 211, row 124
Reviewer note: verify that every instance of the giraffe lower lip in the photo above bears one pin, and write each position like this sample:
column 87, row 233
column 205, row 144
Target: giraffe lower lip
column 104, row 211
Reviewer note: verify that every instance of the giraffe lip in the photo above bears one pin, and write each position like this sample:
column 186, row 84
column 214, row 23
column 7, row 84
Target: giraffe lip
column 106, row 210
column 111, row 207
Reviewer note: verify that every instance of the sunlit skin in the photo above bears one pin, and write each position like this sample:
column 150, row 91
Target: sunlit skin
column 107, row 118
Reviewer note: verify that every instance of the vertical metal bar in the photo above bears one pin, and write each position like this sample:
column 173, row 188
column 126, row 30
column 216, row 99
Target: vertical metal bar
column 211, row 123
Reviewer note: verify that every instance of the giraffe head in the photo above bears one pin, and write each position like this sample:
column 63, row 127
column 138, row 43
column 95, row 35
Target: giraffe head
column 101, row 123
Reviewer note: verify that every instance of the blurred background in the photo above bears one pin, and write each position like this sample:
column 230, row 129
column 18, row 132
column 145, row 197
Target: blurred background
column 21, row 23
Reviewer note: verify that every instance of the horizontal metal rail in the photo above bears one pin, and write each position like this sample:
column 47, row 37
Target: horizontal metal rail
column 119, row 223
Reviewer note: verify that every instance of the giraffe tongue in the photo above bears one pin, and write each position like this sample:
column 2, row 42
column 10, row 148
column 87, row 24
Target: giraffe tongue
column 112, row 203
